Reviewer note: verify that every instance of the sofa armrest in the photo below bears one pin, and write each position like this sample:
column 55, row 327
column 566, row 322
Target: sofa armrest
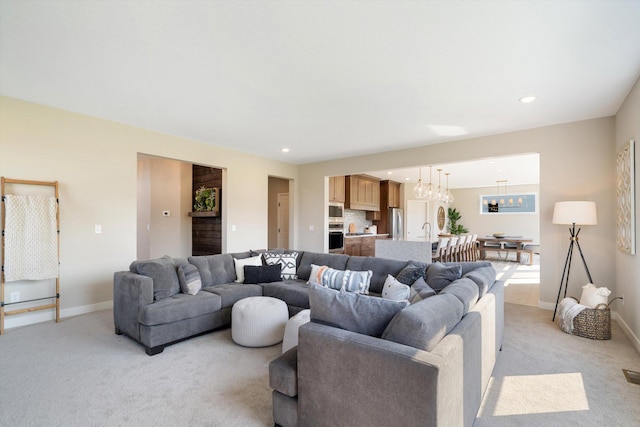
column 131, row 292
column 345, row 376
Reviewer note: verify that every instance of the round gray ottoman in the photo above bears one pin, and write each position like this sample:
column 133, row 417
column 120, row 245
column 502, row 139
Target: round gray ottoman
column 258, row 321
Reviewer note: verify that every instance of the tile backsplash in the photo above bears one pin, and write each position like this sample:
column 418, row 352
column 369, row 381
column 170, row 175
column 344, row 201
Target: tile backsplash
column 359, row 218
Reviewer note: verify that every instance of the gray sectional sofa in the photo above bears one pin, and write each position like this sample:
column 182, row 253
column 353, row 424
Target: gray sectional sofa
column 362, row 360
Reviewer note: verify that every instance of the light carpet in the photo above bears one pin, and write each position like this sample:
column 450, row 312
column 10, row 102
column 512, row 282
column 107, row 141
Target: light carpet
column 79, row 373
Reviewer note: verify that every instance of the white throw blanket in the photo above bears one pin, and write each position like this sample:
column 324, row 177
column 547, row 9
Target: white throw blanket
column 31, row 238
column 567, row 310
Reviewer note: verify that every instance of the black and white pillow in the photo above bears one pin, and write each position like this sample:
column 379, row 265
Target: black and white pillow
column 287, row 263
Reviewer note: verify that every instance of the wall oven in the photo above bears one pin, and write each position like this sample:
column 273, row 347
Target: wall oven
column 336, row 237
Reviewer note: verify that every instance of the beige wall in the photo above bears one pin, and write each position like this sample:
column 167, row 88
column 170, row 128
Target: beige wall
column 95, row 162
column 163, row 185
column 576, row 163
column 627, row 280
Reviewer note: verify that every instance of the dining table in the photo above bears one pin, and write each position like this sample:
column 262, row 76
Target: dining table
column 505, row 244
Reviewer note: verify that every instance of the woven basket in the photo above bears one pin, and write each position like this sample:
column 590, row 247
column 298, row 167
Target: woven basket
column 593, row 323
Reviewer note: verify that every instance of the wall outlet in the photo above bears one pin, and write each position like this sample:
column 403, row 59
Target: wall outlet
column 98, row 229
column 15, row 296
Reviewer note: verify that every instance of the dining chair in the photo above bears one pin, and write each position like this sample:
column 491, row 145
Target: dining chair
column 440, row 251
column 473, row 248
column 451, row 249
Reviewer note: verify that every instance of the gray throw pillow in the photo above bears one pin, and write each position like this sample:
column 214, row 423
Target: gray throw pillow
column 189, row 279
column 358, row 313
column 163, row 273
column 410, row 274
column 424, row 324
column 420, row 290
column 440, row 275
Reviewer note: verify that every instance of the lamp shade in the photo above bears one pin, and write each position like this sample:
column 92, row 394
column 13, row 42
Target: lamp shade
column 583, row 213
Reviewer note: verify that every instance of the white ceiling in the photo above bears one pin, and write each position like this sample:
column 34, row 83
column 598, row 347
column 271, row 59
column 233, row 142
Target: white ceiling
column 327, row 79
column 515, row 170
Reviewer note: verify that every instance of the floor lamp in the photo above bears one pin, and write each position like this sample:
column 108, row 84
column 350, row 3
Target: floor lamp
column 572, row 213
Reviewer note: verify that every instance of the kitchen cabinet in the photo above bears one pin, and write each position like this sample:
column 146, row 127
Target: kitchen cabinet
column 360, row 245
column 336, row 189
column 362, row 193
column 393, row 193
column 352, row 246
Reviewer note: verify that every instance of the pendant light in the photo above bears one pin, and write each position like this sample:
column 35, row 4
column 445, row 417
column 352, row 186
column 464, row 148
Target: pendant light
column 420, row 190
column 448, row 196
column 439, row 197
column 430, row 193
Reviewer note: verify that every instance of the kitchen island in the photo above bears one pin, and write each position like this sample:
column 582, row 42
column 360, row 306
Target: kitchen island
column 362, row 244
column 403, row 250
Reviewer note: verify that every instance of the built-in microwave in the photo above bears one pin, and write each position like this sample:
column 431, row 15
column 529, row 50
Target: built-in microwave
column 336, row 212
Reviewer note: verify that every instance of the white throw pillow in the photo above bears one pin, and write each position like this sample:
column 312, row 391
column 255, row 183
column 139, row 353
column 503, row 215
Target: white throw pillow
column 316, row 274
column 394, row 290
column 240, row 263
column 592, row 296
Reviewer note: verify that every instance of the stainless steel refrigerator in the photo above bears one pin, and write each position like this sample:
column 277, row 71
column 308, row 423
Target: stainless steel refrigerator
column 396, row 224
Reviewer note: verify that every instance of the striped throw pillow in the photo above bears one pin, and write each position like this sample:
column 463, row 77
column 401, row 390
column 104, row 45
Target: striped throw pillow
column 189, row 278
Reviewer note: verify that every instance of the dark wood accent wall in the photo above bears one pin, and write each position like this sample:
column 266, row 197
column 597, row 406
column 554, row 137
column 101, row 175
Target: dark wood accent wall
column 206, row 233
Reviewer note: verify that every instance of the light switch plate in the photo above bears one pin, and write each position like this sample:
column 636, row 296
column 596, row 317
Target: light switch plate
column 166, row 213
column 98, row 229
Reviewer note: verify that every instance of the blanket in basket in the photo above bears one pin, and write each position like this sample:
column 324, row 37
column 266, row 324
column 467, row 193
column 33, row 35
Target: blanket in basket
column 568, row 309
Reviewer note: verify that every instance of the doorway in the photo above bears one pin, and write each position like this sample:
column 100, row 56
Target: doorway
column 279, row 213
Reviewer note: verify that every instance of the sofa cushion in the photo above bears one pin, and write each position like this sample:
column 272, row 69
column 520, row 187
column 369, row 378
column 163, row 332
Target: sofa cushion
column 420, row 290
column 358, row 313
column 163, row 273
column 262, row 274
column 379, row 266
column 294, row 292
column 287, row 262
column 483, row 277
column 241, row 262
column 179, row 307
column 424, row 324
column 409, row 274
column 234, row 292
column 189, row 279
column 337, row 261
column 214, row 269
column 440, row 275
column 394, row 290
column 283, row 373
column 465, row 290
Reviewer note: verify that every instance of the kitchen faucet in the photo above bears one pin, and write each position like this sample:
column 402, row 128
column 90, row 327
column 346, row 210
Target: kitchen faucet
column 428, row 230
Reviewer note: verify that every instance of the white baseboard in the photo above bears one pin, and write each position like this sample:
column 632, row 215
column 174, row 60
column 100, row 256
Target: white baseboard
column 627, row 330
column 32, row 318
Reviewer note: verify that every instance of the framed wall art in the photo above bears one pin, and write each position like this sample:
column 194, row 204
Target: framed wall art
column 517, row 203
column 625, row 199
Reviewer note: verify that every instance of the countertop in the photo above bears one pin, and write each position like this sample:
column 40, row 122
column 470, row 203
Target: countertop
column 348, row 235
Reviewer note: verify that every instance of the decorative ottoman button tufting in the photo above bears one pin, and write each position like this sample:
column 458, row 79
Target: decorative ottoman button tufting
column 258, row 321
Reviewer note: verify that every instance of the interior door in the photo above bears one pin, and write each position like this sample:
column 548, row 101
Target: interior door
column 417, row 214
column 283, row 220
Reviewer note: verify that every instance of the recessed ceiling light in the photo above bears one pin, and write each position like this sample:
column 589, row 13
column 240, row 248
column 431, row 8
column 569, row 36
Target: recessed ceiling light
column 407, row 179
column 390, row 173
column 285, row 150
column 527, row 99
